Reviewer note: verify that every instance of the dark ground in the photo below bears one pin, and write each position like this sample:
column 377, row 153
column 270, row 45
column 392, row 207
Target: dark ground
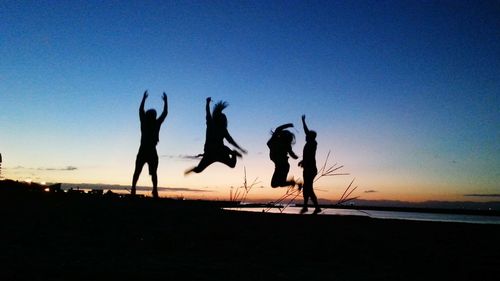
column 60, row 237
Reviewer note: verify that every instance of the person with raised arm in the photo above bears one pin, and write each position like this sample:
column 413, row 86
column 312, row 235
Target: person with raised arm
column 280, row 146
column 214, row 149
column 150, row 131
column 308, row 163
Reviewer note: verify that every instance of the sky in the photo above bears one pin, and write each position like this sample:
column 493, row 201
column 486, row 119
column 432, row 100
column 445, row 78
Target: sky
column 404, row 94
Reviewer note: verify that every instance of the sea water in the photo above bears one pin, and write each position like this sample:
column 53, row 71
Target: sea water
column 414, row 216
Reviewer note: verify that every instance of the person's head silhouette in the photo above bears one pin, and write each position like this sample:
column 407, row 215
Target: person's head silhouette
column 150, row 115
column 311, row 136
column 220, row 118
column 286, row 137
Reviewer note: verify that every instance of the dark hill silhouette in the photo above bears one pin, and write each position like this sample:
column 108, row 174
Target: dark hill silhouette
column 51, row 237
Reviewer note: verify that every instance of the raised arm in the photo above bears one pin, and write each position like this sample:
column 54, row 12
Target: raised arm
column 165, row 109
column 231, row 141
column 306, row 130
column 142, row 113
column 284, row 126
column 290, row 151
column 207, row 108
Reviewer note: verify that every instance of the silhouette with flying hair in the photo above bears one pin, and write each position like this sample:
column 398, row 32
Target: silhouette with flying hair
column 308, row 163
column 215, row 150
column 280, row 146
column 150, row 131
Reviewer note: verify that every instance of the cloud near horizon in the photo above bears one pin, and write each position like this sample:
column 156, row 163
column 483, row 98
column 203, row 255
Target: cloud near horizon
column 482, row 195
column 15, row 168
column 181, row 156
column 67, row 168
column 370, row 191
column 142, row 188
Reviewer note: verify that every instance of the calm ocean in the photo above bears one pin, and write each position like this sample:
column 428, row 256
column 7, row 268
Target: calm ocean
column 415, row 216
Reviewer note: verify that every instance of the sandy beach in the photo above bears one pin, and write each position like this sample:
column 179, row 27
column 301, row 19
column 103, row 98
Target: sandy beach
column 73, row 237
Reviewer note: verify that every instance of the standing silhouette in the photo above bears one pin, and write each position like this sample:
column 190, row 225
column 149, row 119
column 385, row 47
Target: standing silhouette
column 280, row 146
column 308, row 163
column 150, row 131
column 215, row 150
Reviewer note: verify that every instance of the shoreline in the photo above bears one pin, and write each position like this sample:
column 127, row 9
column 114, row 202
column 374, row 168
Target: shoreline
column 10, row 185
column 392, row 209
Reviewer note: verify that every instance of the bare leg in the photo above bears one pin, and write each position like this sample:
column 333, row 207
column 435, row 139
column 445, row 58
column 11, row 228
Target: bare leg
column 279, row 176
column 227, row 156
column 290, row 182
column 314, row 200
column 154, row 179
column 305, row 193
column 189, row 171
column 231, row 159
column 276, row 179
column 135, row 178
column 204, row 163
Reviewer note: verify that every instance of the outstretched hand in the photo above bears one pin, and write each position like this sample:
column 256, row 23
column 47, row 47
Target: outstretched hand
column 164, row 97
column 145, row 94
column 209, row 99
column 303, row 117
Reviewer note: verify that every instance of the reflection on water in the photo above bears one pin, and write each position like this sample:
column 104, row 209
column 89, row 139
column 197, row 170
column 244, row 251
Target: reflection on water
column 415, row 216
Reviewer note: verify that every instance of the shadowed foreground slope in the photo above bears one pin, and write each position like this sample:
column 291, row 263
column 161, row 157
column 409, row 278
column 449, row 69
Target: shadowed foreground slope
column 63, row 237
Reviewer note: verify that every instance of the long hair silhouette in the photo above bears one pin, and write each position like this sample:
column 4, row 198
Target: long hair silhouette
column 280, row 146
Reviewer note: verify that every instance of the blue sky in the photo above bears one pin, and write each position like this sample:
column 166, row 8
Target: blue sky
column 404, row 93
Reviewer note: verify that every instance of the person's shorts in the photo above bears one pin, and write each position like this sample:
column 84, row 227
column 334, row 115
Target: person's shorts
column 218, row 154
column 280, row 174
column 149, row 156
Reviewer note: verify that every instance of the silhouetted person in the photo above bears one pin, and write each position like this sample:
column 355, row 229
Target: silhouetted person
column 150, row 131
column 280, row 146
column 308, row 163
column 215, row 150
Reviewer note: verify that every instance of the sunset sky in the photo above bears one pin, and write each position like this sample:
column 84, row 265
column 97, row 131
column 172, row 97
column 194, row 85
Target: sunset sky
column 405, row 94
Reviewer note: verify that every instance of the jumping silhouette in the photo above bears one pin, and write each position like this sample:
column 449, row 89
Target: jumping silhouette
column 308, row 163
column 215, row 150
column 280, row 146
column 150, row 130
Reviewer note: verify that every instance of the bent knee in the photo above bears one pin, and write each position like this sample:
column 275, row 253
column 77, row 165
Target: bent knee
column 198, row 169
